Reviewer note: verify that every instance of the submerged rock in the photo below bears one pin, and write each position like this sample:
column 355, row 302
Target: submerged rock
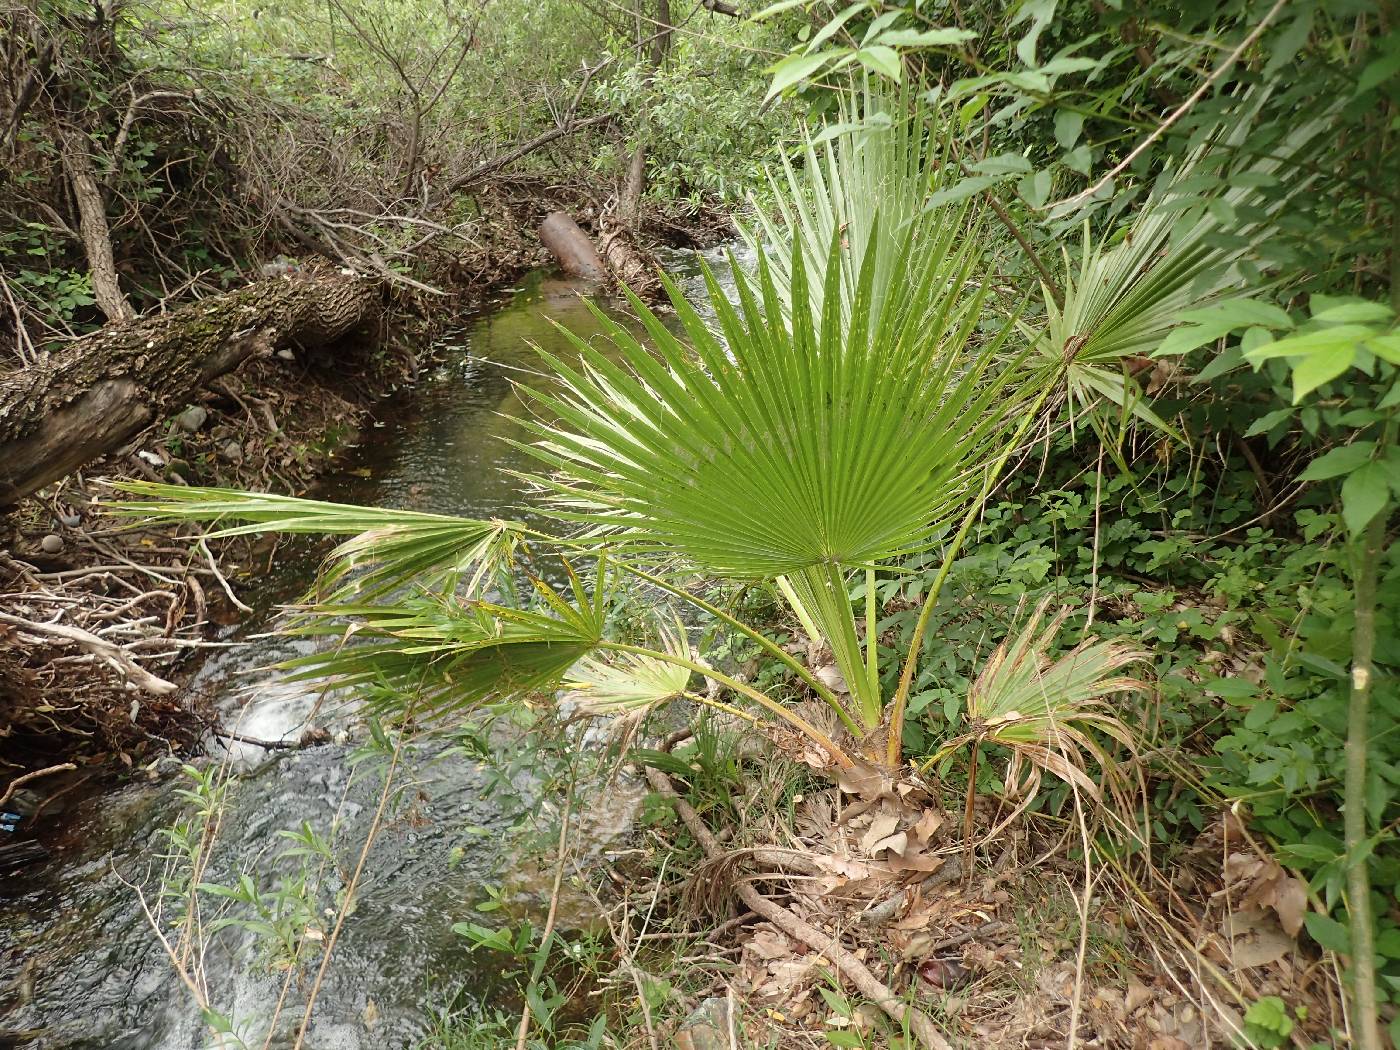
column 707, row 1027
column 192, row 418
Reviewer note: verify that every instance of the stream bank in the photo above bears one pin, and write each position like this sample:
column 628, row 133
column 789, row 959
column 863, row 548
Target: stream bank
column 144, row 603
column 88, row 970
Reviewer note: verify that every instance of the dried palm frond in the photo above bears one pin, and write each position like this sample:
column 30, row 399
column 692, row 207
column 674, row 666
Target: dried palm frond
column 1049, row 713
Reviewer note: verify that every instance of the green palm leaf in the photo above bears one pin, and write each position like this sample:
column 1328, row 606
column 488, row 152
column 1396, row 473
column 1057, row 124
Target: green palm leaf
column 629, row 682
column 388, row 548
column 879, row 169
column 452, row 654
column 762, row 450
column 1182, row 252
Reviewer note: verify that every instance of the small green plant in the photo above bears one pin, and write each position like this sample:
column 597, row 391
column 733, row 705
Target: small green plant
column 1340, row 337
column 1267, row 1022
column 525, row 956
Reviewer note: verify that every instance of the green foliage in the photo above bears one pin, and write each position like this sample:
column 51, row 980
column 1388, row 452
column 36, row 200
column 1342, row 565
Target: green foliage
column 1250, row 628
column 58, row 293
column 1218, row 277
column 787, row 438
column 1267, row 1022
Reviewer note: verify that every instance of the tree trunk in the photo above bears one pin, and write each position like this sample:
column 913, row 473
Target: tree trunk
column 98, row 392
column 635, row 269
column 92, row 227
column 572, row 248
column 629, row 205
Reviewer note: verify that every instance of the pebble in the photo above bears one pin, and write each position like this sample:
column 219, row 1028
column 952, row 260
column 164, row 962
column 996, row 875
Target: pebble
column 192, row 418
column 286, row 355
column 180, row 467
column 51, row 544
column 233, row 452
column 707, row 1028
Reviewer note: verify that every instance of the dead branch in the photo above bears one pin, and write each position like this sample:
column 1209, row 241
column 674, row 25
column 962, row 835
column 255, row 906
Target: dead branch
column 93, row 225
column 98, row 647
column 524, row 149
column 20, row 781
column 855, row 971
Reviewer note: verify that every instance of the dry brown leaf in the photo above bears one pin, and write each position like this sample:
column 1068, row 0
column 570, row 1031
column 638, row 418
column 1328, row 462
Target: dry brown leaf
column 921, row 916
column 896, row 844
column 830, row 677
column 882, row 826
column 980, row 957
column 1256, row 939
column 928, row 825
column 768, row 943
column 863, row 781
column 1266, row 885
column 1137, row 996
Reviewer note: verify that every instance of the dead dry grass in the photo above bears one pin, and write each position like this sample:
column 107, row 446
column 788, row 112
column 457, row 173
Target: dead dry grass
column 1009, row 949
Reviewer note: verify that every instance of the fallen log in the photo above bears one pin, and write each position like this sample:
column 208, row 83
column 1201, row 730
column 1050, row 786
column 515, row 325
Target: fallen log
column 631, row 266
column 617, row 255
column 90, row 397
column 572, row 248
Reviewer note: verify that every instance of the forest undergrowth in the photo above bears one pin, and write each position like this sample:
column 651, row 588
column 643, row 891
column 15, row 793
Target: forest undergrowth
column 989, row 606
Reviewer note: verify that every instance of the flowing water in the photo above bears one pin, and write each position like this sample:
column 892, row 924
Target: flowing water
column 85, row 967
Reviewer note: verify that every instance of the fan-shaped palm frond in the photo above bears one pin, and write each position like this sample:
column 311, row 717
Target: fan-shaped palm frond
column 875, row 170
column 1182, row 252
column 838, row 442
column 1047, row 711
column 631, row 682
column 388, row 549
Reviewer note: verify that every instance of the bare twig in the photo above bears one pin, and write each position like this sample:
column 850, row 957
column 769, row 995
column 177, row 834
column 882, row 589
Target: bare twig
column 1179, row 112
column 99, row 647
column 214, row 568
column 308, row 739
column 375, row 824
column 510, row 156
column 855, row 971
column 20, row 781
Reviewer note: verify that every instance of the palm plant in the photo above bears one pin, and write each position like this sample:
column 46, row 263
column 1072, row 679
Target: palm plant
column 855, row 406
column 798, row 450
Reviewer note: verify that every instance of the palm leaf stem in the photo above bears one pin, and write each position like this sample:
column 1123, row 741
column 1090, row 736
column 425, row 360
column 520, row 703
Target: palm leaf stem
column 720, row 705
column 773, row 648
column 872, row 643
column 820, row 597
column 906, row 676
column 795, row 720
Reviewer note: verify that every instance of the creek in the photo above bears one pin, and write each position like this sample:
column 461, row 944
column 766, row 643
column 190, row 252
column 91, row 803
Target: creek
column 85, row 967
